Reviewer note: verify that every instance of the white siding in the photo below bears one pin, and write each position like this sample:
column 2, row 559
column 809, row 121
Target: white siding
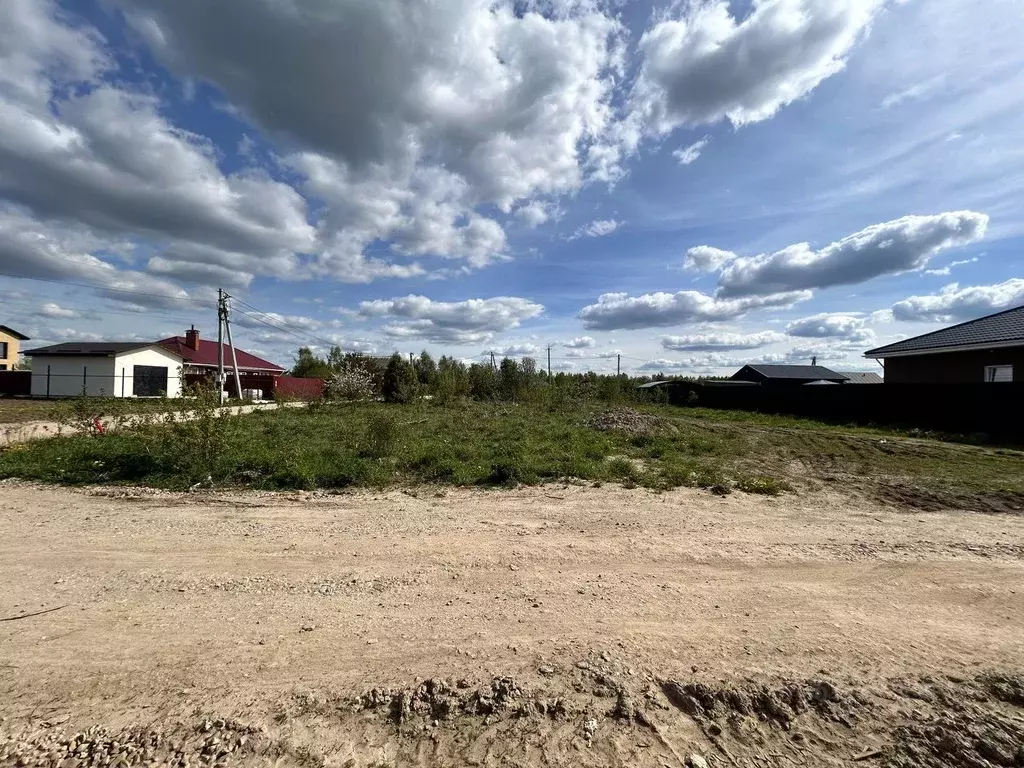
column 66, row 376
column 124, row 365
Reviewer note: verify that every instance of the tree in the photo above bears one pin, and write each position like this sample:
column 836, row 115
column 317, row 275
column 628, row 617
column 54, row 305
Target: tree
column 401, row 384
column 426, row 368
column 309, row 366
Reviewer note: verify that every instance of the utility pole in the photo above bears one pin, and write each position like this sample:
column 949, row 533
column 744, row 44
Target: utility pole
column 549, row 361
column 220, row 345
column 494, row 366
column 618, row 366
column 234, row 355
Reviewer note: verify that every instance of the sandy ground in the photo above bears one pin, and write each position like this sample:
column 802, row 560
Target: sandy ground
column 22, row 432
column 553, row 626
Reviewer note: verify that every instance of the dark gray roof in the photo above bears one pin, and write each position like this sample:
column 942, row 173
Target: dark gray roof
column 11, row 332
column 1000, row 328
column 861, row 377
column 797, row 372
column 89, row 349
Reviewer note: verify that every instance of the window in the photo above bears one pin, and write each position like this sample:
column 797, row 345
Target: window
column 149, row 380
column 3, row 350
column 998, row 373
column 3, row 366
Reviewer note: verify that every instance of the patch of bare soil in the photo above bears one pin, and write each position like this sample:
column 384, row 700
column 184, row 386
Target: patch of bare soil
column 596, row 627
column 630, row 421
column 944, row 500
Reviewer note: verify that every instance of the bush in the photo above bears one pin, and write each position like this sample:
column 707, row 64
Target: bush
column 401, row 384
column 350, row 383
column 381, row 436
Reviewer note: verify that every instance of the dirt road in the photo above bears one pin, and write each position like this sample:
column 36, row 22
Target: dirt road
column 553, row 626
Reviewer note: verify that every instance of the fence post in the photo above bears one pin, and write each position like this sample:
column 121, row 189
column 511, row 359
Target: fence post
column 47, row 382
column 85, row 379
column 122, row 382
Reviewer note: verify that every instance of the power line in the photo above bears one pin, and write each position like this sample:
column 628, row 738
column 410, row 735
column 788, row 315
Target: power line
column 282, row 325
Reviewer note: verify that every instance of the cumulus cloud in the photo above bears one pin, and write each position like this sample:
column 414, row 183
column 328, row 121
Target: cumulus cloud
column 534, row 213
column 833, row 325
column 504, row 120
column 580, row 342
column 702, row 65
column 463, row 322
column 620, row 311
column 596, row 228
column 706, row 259
column 902, row 245
column 689, row 154
column 954, row 303
column 514, row 350
column 709, row 342
column 53, row 310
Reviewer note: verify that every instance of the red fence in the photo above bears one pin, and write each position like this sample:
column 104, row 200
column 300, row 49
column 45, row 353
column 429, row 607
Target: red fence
column 15, row 383
column 291, row 388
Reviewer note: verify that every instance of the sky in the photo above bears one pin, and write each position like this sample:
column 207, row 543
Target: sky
column 693, row 185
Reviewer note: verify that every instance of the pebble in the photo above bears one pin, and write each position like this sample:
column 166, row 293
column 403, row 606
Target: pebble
column 307, row 627
column 696, row 761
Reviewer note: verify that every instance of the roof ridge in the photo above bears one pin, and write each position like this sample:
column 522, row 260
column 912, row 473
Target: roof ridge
column 947, row 329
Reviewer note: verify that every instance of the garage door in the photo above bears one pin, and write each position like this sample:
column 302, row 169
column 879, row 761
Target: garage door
column 149, row 380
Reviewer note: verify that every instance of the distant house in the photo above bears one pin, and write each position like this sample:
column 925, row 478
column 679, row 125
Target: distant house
column 105, row 369
column 257, row 375
column 988, row 349
column 787, row 375
column 10, row 346
column 141, row 369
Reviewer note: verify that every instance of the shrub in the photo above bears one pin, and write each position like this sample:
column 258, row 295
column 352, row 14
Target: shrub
column 401, row 384
column 381, row 436
column 349, row 383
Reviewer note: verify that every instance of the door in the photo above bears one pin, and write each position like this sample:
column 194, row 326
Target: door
column 149, row 380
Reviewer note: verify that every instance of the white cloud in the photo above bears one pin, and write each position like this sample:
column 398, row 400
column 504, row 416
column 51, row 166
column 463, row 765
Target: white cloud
column 902, row 245
column 946, row 270
column 408, row 130
column 514, row 350
column 833, row 325
column 954, row 303
column 534, row 213
column 704, row 258
column 596, row 228
column 916, row 92
column 689, row 154
column 55, row 310
column 707, row 342
column 704, row 65
column 464, row 322
column 620, row 311
column 580, row 342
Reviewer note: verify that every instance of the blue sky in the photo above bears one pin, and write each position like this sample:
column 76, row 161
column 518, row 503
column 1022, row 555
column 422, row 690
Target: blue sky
column 693, row 184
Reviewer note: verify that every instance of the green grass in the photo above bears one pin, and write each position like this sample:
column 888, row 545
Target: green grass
column 19, row 411
column 474, row 443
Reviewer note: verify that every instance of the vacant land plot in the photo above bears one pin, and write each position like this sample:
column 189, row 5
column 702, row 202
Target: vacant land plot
column 559, row 625
column 18, row 410
column 474, row 443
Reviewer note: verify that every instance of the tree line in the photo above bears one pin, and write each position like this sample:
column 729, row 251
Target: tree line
column 399, row 379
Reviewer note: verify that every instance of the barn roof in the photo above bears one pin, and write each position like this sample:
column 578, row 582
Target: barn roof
column 88, row 348
column 794, row 372
column 1003, row 329
column 206, row 355
column 861, row 377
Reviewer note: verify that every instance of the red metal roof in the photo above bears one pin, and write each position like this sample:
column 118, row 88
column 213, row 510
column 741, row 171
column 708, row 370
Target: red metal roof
column 207, row 355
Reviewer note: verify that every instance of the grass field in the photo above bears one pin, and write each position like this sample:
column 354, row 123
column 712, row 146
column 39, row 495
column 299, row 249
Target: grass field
column 474, row 443
column 20, row 411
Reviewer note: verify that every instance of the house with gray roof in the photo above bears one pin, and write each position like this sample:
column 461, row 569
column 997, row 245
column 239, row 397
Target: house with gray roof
column 989, row 349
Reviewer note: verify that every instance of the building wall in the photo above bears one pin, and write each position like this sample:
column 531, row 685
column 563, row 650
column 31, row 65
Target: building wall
column 8, row 362
column 952, row 367
column 124, row 366
column 66, row 376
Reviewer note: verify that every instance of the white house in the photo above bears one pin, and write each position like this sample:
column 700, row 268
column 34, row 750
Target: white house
column 105, row 369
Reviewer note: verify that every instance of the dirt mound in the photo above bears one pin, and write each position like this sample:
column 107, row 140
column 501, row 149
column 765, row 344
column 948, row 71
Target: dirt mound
column 597, row 712
column 937, row 500
column 630, row 421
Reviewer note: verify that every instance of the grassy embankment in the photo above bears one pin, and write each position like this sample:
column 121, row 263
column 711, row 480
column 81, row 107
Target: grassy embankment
column 474, row 443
